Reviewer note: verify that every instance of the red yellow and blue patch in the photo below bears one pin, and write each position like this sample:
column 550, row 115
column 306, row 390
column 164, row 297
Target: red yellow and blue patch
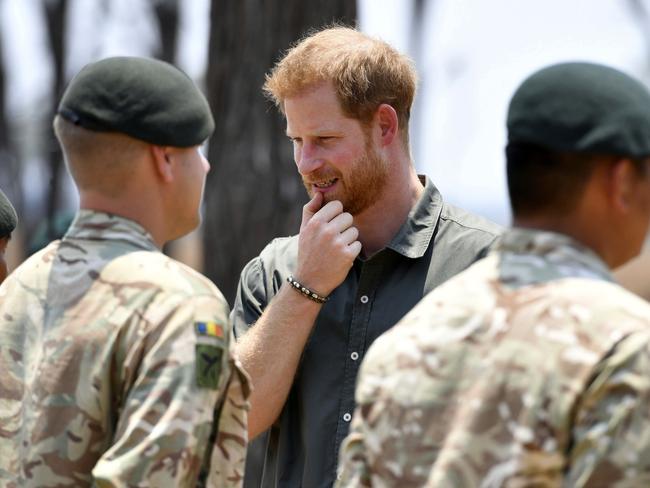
column 212, row 329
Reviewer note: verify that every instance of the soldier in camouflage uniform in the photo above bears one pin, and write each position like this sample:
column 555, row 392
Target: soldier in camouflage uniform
column 532, row 367
column 8, row 221
column 116, row 360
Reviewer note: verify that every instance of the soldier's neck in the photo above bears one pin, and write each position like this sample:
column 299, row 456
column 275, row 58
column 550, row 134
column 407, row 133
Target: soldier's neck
column 139, row 210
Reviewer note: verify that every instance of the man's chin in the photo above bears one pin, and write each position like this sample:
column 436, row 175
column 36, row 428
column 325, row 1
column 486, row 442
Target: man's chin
column 335, row 196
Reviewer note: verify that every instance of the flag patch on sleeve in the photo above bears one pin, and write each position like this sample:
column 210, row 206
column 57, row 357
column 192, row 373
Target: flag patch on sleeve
column 212, row 329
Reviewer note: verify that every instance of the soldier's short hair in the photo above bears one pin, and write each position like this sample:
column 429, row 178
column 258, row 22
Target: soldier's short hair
column 91, row 156
column 542, row 180
column 365, row 72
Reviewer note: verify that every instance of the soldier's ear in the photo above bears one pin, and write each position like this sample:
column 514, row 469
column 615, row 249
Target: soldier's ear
column 162, row 162
column 623, row 177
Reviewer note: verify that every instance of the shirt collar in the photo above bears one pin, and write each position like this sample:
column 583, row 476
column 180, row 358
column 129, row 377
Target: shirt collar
column 413, row 238
column 93, row 225
column 529, row 256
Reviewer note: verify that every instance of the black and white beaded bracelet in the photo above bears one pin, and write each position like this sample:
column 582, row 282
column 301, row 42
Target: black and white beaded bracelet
column 311, row 294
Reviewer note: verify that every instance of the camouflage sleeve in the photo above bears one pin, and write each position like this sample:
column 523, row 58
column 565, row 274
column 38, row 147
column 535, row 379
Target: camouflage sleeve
column 611, row 436
column 175, row 367
column 353, row 468
column 228, row 459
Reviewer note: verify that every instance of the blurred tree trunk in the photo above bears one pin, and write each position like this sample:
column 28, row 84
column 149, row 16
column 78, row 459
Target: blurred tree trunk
column 4, row 130
column 55, row 17
column 166, row 12
column 9, row 162
column 253, row 192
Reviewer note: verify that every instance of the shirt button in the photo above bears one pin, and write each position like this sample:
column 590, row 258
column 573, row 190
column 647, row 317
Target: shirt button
column 354, row 356
column 364, row 299
column 347, row 417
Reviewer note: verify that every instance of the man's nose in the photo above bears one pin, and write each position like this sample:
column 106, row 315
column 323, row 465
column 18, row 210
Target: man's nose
column 308, row 159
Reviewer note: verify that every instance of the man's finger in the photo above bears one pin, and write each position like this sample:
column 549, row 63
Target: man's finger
column 329, row 211
column 355, row 248
column 350, row 235
column 342, row 221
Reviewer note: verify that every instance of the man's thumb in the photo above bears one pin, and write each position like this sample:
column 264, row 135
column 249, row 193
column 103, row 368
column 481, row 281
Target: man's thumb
column 311, row 207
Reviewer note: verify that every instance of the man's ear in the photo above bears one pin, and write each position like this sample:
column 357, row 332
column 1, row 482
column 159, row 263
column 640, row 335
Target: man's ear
column 623, row 178
column 162, row 162
column 386, row 116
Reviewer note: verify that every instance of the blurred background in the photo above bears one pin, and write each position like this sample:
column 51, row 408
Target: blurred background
column 470, row 54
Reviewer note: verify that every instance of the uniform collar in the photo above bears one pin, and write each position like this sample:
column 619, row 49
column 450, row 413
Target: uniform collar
column 93, row 225
column 529, row 256
column 413, row 238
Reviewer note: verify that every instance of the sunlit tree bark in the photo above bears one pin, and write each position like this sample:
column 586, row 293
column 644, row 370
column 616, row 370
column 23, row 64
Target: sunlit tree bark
column 55, row 17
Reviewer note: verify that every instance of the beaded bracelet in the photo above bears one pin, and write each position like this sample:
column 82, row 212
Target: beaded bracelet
column 312, row 295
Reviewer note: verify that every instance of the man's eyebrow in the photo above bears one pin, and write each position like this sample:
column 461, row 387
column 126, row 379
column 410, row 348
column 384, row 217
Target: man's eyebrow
column 324, row 132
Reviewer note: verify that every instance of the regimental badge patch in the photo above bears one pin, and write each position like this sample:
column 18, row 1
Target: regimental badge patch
column 209, row 329
column 208, row 365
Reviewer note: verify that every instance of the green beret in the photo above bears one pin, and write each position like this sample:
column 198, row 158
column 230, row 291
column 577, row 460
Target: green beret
column 8, row 218
column 144, row 98
column 582, row 107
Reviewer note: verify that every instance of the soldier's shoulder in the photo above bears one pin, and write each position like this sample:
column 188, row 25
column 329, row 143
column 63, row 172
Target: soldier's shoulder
column 602, row 298
column 163, row 272
column 395, row 368
column 35, row 266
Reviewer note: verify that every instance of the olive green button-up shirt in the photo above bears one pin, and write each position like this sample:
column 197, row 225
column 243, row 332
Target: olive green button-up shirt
column 435, row 242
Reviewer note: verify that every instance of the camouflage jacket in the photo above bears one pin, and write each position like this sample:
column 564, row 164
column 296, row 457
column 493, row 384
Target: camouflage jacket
column 531, row 368
column 116, row 367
